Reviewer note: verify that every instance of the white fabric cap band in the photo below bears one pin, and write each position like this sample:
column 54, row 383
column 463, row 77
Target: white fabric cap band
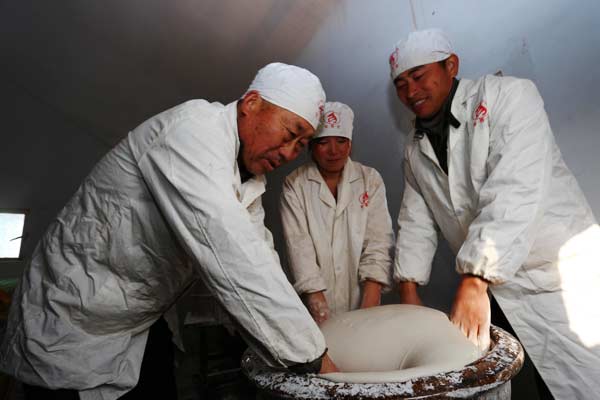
column 420, row 48
column 338, row 120
column 293, row 88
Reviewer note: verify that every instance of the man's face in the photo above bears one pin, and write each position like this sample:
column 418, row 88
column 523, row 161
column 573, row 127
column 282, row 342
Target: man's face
column 424, row 89
column 331, row 153
column 270, row 135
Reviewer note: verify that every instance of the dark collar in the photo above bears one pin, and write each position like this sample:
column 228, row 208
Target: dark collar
column 448, row 105
column 244, row 173
column 444, row 117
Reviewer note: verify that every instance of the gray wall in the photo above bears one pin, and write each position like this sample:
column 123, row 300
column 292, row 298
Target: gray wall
column 75, row 76
column 554, row 43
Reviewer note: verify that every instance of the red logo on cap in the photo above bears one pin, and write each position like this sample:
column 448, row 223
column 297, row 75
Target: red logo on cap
column 480, row 114
column 394, row 59
column 332, row 120
column 364, row 200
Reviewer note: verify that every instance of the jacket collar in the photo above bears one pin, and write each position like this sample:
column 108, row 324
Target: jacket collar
column 230, row 116
column 459, row 117
column 444, row 118
column 254, row 187
column 465, row 90
column 349, row 175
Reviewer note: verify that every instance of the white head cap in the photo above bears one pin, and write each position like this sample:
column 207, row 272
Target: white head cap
column 338, row 120
column 293, row 88
column 420, row 48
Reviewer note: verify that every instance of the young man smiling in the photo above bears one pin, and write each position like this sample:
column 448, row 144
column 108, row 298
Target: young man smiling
column 482, row 168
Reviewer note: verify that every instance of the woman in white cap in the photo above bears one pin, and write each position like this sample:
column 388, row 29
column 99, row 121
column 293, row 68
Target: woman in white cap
column 336, row 223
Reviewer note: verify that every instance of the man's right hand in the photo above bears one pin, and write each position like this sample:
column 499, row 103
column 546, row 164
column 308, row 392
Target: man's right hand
column 471, row 310
column 327, row 365
column 408, row 293
column 317, row 306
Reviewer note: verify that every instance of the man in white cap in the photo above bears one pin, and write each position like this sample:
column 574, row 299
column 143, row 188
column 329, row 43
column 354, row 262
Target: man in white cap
column 482, row 167
column 336, row 223
column 177, row 198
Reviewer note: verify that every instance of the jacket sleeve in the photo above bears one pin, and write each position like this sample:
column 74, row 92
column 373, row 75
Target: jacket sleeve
column 300, row 248
column 378, row 244
column 519, row 167
column 417, row 233
column 257, row 214
column 189, row 171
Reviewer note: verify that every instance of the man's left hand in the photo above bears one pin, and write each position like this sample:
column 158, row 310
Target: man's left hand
column 471, row 310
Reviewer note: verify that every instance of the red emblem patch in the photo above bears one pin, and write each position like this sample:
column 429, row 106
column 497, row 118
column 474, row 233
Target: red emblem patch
column 480, row 114
column 332, row 120
column 364, row 200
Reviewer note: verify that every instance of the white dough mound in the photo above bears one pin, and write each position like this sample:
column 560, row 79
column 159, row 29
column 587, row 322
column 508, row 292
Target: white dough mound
column 394, row 343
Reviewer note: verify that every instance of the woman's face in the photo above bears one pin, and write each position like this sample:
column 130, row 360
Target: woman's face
column 331, row 153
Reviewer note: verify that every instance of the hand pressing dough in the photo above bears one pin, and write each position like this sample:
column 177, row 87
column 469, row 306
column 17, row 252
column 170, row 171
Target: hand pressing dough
column 394, row 343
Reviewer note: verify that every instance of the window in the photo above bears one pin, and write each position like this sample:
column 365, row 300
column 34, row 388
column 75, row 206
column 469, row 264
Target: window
column 11, row 233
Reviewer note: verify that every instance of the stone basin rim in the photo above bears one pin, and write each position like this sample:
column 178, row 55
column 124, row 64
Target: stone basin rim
column 498, row 366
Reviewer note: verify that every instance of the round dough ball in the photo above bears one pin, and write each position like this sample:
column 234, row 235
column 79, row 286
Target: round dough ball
column 394, row 343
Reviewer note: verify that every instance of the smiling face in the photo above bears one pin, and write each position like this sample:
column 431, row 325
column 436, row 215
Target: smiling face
column 331, row 153
column 424, row 89
column 270, row 135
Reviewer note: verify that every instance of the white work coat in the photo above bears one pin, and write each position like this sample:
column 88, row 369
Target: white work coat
column 513, row 214
column 120, row 253
column 335, row 246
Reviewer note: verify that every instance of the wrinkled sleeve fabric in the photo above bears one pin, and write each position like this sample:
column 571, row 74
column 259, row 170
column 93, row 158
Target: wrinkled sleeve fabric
column 519, row 165
column 300, row 248
column 417, row 233
column 378, row 245
column 257, row 213
column 189, row 171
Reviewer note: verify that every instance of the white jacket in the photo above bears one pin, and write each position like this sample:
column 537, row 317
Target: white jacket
column 334, row 246
column 513, row 214
column 120, row 253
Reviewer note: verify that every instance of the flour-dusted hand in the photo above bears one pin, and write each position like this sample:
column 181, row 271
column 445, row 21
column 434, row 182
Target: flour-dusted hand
column 317, row 306
column 471, row 310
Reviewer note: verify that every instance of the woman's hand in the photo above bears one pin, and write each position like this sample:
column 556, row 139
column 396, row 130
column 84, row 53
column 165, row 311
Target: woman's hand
column 371, row 294
column 408, row 293
column 317, row 306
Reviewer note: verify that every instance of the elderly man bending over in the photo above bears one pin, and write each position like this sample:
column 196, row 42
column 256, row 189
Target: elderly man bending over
column 179, row 196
